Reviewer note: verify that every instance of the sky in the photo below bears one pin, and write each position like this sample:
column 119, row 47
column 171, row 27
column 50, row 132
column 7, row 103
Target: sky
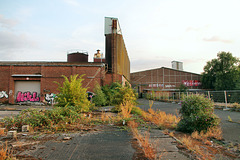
column 155, row 32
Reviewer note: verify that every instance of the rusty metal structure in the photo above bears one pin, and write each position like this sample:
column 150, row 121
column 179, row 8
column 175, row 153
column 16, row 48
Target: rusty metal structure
column 116, row 53
column 77, row 56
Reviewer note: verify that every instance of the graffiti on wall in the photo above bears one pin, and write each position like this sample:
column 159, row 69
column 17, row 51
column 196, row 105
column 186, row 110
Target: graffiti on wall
column 3, row 94
column 155, row 85
column 50, row 98
column 191, row 82
column 27, row 96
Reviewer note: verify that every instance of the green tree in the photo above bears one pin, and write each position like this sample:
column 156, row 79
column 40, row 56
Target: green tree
column 99, row 99
column 72, row 93
column 221, row 73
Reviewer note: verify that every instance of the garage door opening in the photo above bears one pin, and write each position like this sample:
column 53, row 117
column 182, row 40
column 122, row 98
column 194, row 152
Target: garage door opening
column 27, row 91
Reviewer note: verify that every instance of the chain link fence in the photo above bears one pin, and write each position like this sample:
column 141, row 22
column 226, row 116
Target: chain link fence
column 220, row 98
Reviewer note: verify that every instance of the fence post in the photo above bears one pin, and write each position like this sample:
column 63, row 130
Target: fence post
column 208, row 95
column 168, row 96
column 173, row 96
column 225, row 94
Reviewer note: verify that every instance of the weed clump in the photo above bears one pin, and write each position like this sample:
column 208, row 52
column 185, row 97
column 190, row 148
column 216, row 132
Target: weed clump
column 114, row 95
column 73, row 94
column 197, row 114
column 100, row 99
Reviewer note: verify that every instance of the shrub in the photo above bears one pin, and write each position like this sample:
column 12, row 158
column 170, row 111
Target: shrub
column 46, row 118
column 117, row 94
column 72, row 93
column 197, row 114
column 33, row 117
column 99, row 99
column 126, row 95
column 136, row 111
column 110, row 92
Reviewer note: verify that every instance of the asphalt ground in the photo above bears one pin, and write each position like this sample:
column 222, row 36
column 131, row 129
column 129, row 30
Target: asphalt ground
column 107, row 145
column 231, row 130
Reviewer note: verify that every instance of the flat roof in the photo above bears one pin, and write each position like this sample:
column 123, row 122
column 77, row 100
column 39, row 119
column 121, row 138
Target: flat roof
column 44, row 63
column 164, row 68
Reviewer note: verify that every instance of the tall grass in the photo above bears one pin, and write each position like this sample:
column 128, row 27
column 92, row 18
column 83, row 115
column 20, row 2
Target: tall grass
column 160, row 118
column 4, row 152
column 195, row 147
column 126, row 109
column 213, row 132
column 143, row 141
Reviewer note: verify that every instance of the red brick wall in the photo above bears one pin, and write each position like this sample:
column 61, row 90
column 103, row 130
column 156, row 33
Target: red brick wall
column 27, row 69
column 4, row 78
column 93, row 74
column 4, row 82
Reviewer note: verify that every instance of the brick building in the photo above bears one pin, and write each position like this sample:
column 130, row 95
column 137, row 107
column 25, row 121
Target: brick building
column 22, row 82
column 164, row 79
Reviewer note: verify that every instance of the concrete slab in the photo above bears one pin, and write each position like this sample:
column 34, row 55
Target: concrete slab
column 172, row 156
column 163, row 144
column 154, row 133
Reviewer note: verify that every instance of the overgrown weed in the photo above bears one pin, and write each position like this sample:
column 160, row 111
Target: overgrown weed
column 143, row 141
column 5, row 152
column 126, row 109
column 195, row 147
column 161, row 119
column 213, row 132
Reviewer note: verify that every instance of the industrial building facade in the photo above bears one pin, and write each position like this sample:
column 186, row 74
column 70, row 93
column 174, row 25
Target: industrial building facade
column 34, row 81
column 24, row 82
column 164, row 79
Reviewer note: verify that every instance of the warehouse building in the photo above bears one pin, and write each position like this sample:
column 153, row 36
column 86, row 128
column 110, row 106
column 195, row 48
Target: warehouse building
column 165, row 79
column 31, row 82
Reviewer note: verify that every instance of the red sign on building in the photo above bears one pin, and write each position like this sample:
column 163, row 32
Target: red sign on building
column 191, row 82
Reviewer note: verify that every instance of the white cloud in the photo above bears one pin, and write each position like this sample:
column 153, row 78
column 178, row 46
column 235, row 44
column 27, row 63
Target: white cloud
column 10, row 40
column 7, row 23
column 217, row 39
column 72, row 2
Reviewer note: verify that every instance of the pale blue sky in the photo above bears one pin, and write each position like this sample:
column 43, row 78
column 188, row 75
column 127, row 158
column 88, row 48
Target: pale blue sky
column 156, row 32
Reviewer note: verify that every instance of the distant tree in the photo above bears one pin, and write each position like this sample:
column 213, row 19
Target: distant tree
column 222, row 73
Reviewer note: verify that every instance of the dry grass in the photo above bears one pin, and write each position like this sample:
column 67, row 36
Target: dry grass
column 104, row 117
column 171, row 134
column 214, row 132
column 4, row 153
column 165, row 131
column 143, row 141
column 201, row 145
column 2, row 133
column 162, row 119
column 193, row 146
column 126, row 109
